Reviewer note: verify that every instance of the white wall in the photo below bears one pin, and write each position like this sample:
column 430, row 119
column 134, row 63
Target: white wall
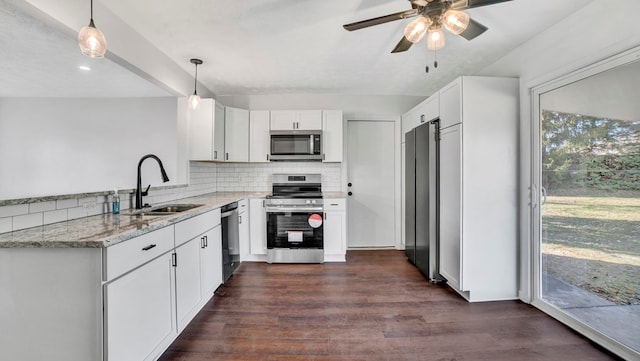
column 61, row 146
column 596, row 32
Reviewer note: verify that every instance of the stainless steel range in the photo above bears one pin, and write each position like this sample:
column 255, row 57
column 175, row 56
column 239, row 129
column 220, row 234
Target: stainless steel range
column 295, row 219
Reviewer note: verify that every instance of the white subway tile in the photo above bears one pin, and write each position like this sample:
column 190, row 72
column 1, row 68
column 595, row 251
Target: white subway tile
column 77, row 212
column 66, row 203
column 27, row 221
column 6, row 224
column 15, row 210
column 42, row 207
column 55, row 216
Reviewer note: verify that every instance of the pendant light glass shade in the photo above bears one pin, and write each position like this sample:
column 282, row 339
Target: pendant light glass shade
column 415, row 30
column 194, row 99
column 91, row 41
column 455, row 21
column 435, row 38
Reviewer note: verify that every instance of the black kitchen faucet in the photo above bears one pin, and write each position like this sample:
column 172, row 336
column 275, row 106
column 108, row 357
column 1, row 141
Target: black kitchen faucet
column 139, row 192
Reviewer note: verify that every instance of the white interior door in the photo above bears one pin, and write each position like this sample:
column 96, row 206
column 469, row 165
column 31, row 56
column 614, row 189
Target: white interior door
column 371, row 168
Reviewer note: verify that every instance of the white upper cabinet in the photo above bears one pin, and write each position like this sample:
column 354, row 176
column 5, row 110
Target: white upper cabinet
column 332, row 130
column 451, row 104
column 424, row 112
column 201, row 130
column 259, row 149
column 296, row 119
column 206, row 131
column 218, row 132
column 236, row 135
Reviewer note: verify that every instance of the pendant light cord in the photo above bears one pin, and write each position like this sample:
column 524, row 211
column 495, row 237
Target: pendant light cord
column 195, row 82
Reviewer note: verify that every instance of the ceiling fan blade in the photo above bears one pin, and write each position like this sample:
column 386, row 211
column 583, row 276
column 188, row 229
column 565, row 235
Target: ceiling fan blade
column 473, row 30
column 478, row 3
column 380, row 20
column 403, row 45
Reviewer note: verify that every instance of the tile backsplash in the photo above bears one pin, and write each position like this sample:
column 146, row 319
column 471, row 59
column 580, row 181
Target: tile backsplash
column 204, row 177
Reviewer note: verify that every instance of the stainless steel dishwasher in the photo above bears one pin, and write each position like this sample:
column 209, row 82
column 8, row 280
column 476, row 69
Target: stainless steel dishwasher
column 230, row 239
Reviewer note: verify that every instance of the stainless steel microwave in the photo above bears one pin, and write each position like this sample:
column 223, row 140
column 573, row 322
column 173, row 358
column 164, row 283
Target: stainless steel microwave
column 296, row 145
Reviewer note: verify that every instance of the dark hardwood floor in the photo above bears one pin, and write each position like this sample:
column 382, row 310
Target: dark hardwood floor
column 377, row 306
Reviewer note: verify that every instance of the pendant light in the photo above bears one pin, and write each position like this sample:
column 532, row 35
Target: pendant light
column 91, row 40
column 194, row 99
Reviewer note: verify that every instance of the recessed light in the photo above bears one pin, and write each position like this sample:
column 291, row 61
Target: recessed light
column 84, row 67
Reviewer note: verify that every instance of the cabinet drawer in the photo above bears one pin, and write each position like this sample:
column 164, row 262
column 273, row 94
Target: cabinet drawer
column 125, row 256
column 192, row 227
column 243, row 205
column 335, row 204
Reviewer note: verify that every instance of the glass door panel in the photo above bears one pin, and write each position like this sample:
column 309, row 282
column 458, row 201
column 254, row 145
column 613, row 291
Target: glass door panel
column 590, row 202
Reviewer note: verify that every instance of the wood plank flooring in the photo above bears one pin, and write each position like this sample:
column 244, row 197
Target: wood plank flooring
column 377, row 306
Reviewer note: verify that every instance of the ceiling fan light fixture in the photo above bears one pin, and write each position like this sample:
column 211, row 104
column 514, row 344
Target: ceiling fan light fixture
column 194, row 99
column 91, row 41
column 415, row 30
column 455, row 21
column 435, row 38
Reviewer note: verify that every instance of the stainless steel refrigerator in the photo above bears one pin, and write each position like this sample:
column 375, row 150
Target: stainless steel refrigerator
column 421, row 202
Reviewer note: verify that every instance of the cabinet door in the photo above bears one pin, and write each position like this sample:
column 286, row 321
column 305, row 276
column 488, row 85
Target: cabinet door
column 201, row 130
column 236, row 138
column 139, row 316
column 451, row 104
column 218, row 132
column 210, row 262
column 257, row 226
column 187, row 270
column 450, row 204
column 332, row 142
column 429, row 109
column 334, row 236
column 259, row 147
column 309, row 120
column 283, row 119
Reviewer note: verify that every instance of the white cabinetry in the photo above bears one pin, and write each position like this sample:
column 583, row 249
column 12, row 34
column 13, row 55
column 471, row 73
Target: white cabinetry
column 243, row 225
column 206, row 131
column 257, row 227
column 259, row 147
column 140, row 324
column 296, row 120
column 478, row 182
column 197, row 261
column 332, row 130
column 218, row 132
column 139, row 312
column 424, row 112
column 236, row 135
column 335, row 230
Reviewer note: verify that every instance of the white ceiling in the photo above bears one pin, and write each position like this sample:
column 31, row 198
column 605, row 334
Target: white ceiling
column 272, row 47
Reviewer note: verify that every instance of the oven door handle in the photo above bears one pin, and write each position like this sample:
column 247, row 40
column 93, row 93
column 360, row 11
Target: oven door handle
column 293, row 209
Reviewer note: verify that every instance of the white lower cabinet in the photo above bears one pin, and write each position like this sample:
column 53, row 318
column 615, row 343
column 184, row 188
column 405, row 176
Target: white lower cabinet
column 139, row 312
column 257, row 227
column 187, row 267
column 335, row 230
column 211, row 262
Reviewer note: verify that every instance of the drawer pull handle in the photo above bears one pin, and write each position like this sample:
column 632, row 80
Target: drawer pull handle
column 148, row 247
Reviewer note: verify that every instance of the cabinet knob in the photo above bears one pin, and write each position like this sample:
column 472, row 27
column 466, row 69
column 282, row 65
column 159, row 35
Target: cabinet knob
column 349, row 184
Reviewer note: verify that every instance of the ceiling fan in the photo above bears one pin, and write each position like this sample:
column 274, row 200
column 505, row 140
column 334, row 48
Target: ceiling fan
column 433, row 15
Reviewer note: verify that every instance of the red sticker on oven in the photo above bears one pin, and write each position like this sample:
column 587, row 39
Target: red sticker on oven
column 315, row 220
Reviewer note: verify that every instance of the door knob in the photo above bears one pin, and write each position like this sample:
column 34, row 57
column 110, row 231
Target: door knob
column 349, row 184
column 350, row 193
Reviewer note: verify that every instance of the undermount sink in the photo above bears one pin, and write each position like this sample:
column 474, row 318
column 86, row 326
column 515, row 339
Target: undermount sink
column 165, row 210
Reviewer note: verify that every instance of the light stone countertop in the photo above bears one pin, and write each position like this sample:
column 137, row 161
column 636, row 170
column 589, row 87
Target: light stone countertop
column 107, row 229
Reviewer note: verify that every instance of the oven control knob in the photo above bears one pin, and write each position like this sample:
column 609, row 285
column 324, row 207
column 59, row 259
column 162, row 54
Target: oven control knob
column 313, row 201
column 307, row 201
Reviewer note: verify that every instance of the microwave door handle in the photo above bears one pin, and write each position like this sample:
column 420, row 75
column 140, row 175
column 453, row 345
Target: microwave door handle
column 311, row 144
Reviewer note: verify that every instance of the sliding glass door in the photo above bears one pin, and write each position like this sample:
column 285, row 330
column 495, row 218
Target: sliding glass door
column 588, row 211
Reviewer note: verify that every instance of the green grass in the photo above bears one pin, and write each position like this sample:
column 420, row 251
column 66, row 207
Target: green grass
column 593, row 242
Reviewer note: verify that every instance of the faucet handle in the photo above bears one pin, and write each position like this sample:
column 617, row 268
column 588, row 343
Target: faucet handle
column 146, row 191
